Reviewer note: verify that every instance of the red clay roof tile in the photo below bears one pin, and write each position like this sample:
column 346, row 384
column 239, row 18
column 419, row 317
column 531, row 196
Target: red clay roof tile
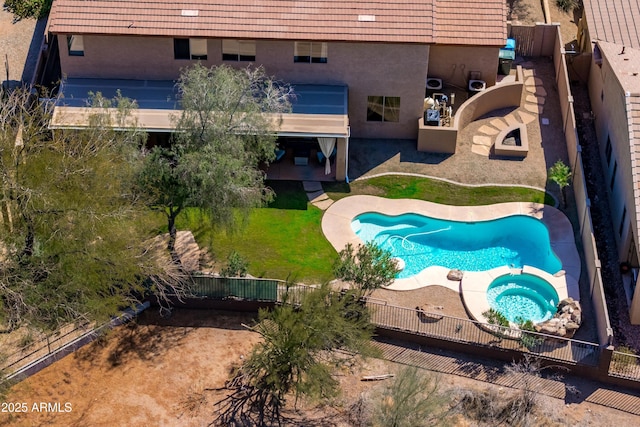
column 466, row 22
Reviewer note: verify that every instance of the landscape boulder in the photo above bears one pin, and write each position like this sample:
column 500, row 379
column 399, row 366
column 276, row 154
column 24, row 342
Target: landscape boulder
column 455, row 275
column 565, row 322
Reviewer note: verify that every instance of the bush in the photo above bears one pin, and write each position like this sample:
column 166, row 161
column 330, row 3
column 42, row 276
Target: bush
column 625, row 361
column 567, row 5
column 22, row 9
column 237, row 266
column 496, row 318
column 410, row 400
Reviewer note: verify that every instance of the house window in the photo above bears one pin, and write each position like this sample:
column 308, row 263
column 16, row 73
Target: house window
column 608, row 150
column 624, row 216
column 75, row 45
column 238, row 50
column 314, row 52
column 383, row 109
column 190, row 48
column 613, row 175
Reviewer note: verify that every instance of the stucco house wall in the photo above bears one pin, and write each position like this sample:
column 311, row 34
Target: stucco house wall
column 454, row 63
column 608, row 103
column 369, row 69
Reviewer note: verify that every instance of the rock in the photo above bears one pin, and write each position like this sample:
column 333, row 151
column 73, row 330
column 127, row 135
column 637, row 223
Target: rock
column 565, row 322
column 455, row 275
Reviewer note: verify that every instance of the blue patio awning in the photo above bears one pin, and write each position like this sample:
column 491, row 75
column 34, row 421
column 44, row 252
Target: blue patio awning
column 317, row 110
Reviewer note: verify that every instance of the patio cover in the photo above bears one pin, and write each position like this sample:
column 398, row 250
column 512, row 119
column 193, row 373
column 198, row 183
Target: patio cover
column 317, row 110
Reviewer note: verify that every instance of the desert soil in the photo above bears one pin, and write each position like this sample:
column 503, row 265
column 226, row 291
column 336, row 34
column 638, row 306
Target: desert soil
column 164, row 372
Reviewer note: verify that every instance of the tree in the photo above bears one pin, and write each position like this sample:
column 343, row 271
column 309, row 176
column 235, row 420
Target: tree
column 561, row 175
column 297, row 355
column 227, row 127
column 22, row 9
column 370, row 268
column 72, row 231
column 412, row 400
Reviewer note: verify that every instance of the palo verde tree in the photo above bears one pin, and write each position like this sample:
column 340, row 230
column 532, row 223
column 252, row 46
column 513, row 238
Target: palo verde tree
column 297, row 356
column 72, row 231
column 369, row 268
column 226, row 129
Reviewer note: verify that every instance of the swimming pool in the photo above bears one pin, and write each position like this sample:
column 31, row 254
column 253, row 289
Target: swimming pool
column 421, row 241
column 523, row 297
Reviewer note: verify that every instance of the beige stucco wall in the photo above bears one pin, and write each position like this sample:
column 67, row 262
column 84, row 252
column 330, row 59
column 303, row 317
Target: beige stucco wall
column 452, row 64
column 608, row 104
column 369, row 69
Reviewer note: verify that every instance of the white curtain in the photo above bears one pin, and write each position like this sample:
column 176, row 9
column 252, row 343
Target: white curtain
column 327, row 145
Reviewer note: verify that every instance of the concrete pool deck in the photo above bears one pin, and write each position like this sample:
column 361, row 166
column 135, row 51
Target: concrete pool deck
column 336, row 226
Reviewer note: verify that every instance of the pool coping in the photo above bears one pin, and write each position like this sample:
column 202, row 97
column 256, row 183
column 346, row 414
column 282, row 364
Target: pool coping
column 336, row 226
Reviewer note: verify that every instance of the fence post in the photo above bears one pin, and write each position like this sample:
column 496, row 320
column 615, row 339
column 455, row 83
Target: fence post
column 606, row 354
column 48, row 345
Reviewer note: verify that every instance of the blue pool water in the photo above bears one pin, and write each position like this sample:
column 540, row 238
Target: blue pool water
column 421, row 242
column 523, row 296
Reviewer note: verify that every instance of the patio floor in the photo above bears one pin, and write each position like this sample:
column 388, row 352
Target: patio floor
column 368, row 157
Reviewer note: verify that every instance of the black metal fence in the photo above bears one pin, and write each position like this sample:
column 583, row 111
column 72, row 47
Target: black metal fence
column 625, row 365
column 475, row 333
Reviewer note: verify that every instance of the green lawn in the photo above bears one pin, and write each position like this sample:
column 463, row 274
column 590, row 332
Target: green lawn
column 280, row 241
column 409, row 187
column 285, row 240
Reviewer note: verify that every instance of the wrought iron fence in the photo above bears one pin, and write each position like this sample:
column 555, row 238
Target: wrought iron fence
column 471, row 332
column 43, row 346
column 625, row 365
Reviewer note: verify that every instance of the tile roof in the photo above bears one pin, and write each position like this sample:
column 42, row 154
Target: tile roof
column 465, row 22
column 614, row 21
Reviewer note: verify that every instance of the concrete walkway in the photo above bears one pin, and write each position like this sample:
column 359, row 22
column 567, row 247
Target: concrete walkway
column 316, row 194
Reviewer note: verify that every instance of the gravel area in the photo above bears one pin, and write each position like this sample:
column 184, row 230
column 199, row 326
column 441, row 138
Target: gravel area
column 19, row 46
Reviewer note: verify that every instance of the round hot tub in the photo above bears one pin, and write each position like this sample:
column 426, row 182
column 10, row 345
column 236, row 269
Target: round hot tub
column 523, row 297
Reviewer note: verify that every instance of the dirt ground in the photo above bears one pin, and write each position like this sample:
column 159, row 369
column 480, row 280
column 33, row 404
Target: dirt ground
column 160, row 371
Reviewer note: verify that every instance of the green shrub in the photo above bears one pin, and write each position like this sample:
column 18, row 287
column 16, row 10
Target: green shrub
column 625, row 361
column 237, row 266
column 567, row 5
column 496, row 318
column 22, row 9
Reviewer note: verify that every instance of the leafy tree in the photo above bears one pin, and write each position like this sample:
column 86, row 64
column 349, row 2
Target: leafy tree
column 370, row 268
column 22, row 9
column 561, row 175
column 72, row 232
column 296, row 355
column 222, row 136
column 412, row 400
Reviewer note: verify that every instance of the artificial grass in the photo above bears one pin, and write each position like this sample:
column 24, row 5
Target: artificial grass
column 284, row 240
column 410, row 187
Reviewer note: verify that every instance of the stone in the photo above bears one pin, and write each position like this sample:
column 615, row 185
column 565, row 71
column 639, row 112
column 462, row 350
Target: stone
column 482, row 140
column 511, row 120
column 311, row 186
column 526, row 117
column 499, row 123
column 488, row 130
column 565, row 322
column 323, row 204
column 455, row 275
column 540, row 100
column 317, row 196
